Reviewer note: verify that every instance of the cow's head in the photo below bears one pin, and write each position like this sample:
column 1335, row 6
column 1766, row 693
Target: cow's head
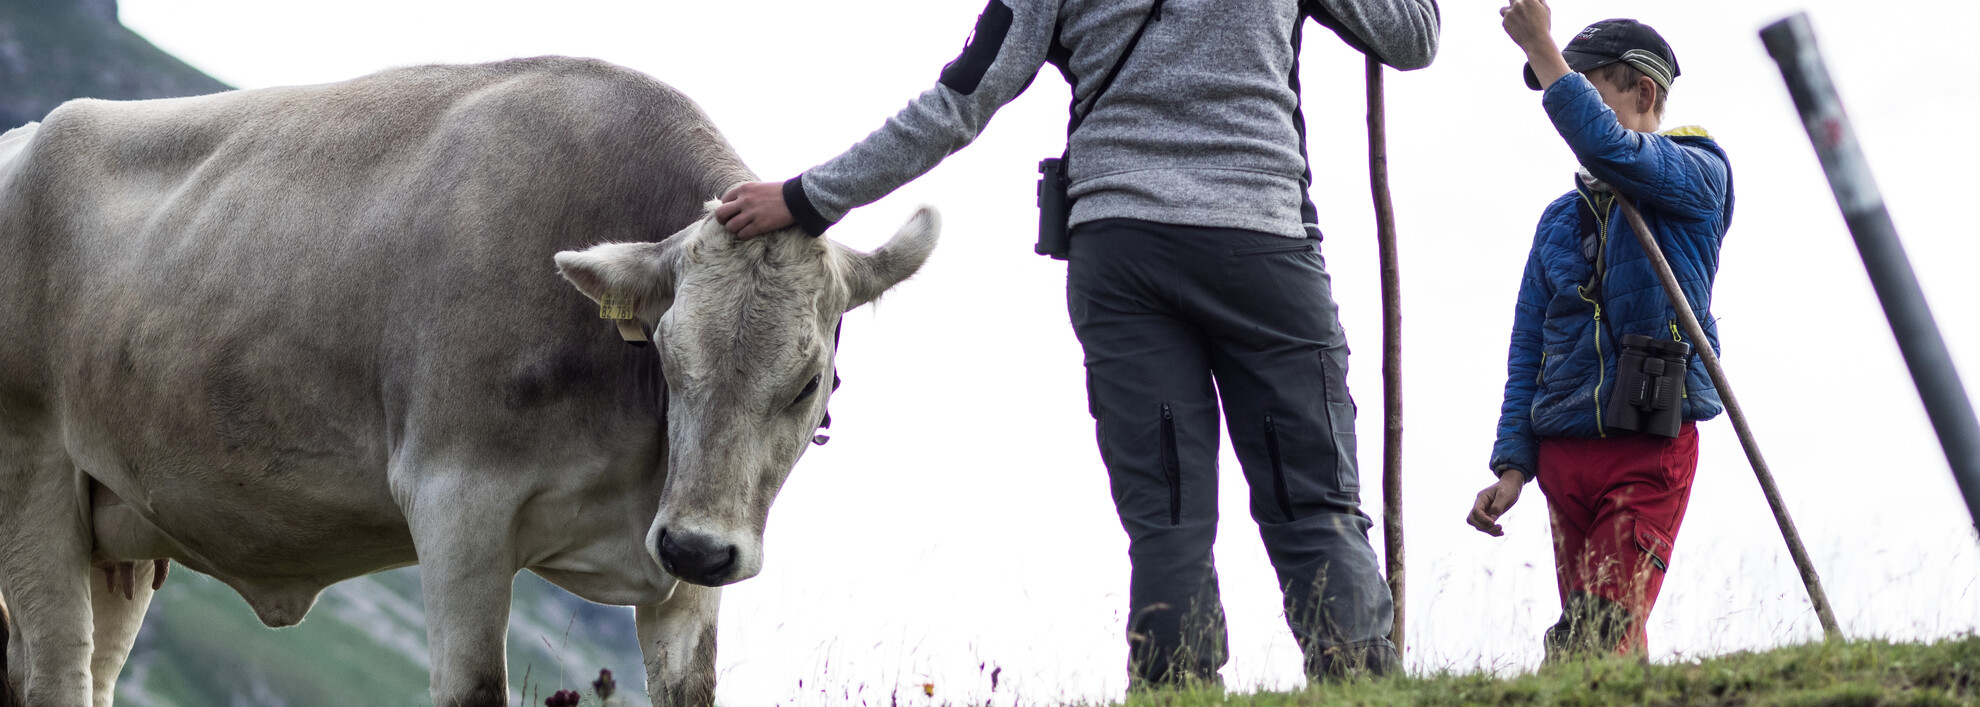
column 745, row 332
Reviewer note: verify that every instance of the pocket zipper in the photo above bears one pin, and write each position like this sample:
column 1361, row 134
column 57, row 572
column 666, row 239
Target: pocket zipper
column 1601, row 257
column 1684, row 392
column 1171, row 466
column 1301, row 247
column 1278, row 469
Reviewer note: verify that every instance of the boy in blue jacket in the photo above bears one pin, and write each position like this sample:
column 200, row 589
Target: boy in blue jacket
column 1615, row 497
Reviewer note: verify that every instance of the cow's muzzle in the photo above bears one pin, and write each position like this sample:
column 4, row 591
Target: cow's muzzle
column 696, row 558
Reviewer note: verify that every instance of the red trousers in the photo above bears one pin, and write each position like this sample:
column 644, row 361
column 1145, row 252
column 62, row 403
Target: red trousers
column 1616, row 504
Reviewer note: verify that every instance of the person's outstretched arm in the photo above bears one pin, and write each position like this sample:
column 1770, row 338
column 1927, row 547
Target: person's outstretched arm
column 1401, row 33
column 1684, row 182
column 998, row 63
column 1515, row 454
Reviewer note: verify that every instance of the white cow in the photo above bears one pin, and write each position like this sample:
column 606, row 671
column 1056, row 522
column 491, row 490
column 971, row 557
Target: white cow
column 290, row 336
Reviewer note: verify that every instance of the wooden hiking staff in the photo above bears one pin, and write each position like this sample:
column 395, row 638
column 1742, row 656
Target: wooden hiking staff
column 1703, row 346
column 1392, row 416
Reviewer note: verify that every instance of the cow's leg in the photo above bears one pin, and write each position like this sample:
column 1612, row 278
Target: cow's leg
column 678, row 639
column 120, row 593
column 467, row 572
column 45, row 574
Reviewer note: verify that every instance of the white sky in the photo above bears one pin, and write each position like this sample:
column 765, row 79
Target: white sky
column 960, row 516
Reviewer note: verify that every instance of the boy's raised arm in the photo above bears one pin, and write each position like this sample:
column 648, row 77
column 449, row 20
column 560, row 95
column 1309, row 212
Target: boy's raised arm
column 1687, row 183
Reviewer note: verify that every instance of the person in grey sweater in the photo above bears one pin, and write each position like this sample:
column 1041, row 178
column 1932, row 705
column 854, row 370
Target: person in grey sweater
column 1194, row 258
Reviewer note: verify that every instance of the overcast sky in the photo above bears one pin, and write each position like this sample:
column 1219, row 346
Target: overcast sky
column 960, row 515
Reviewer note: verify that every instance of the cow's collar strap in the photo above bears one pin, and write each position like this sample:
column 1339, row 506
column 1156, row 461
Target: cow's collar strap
column 618, row 307
column 826, row 424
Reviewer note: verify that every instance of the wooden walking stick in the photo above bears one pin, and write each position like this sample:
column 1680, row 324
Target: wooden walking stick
column 1703, row 346
column 1392, row 416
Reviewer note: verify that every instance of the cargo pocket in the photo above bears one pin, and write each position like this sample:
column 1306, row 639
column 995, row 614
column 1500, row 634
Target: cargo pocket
column 1654, row 543
column 1340, row 422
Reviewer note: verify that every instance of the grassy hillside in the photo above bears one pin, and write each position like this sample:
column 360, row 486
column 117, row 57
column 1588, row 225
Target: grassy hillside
column 363, row 644
column 1857, row 673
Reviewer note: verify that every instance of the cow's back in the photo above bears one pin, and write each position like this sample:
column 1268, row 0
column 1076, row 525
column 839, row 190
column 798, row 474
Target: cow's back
column 240, row 310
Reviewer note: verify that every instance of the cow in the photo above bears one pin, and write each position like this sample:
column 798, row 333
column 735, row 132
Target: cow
column 289, row 336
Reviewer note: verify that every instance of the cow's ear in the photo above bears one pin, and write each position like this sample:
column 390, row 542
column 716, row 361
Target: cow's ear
column 869, row 275
column 644, row 272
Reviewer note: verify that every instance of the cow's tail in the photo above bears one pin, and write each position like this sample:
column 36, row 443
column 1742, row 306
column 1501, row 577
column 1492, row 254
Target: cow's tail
column 9, row 696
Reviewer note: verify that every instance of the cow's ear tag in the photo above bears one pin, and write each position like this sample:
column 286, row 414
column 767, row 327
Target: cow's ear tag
column 615, row 305
column 618, row 307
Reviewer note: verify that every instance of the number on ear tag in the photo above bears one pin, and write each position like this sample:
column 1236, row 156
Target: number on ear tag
column 615, row 305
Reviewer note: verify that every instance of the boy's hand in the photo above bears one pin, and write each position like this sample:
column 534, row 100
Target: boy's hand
column 1494, row 501
column 1530, row 24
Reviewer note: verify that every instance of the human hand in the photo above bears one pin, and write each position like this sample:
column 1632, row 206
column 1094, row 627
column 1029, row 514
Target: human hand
column 752, row 209
column 1529, row 23
column 1494, row 501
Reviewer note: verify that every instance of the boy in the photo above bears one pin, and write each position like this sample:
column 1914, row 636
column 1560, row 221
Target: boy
column 1615, row 496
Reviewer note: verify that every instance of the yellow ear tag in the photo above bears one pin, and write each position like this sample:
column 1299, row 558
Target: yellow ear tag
column 618, row 307
column 615, row 305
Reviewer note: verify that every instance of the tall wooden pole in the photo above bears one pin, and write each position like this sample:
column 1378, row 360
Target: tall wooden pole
column 1392, row 408
column 1703, row 347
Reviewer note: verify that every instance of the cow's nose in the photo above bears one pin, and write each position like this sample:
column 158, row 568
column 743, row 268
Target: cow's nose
column 696, row 558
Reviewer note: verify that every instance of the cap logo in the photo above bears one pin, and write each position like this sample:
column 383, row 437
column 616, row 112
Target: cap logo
column 1590, row 32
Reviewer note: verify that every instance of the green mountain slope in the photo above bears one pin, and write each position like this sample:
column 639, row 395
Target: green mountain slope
column 55, row 50
column 363, row 644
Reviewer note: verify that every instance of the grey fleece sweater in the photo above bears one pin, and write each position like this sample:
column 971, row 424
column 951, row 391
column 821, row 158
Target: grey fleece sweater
column 1199, row 129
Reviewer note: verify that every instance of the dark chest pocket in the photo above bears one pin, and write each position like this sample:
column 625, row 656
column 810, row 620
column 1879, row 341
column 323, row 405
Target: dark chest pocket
column 1569, row 303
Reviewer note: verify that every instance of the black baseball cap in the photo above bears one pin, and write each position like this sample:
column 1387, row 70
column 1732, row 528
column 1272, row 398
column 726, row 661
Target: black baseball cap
column 1611, row 41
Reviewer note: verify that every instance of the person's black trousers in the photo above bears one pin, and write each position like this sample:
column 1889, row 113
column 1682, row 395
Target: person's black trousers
column 1174, row 319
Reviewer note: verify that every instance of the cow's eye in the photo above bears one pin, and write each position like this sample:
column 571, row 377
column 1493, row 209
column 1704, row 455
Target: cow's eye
column 809, row 388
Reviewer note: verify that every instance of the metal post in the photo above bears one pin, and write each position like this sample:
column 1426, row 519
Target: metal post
column 1392, row 415
column 1703, row 347
column 1792, row 43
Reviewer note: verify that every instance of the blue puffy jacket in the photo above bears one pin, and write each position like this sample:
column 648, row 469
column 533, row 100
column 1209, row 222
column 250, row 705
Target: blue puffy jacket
column 1563, row 359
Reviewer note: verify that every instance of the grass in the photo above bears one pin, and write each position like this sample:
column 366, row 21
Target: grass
column 1842, row 673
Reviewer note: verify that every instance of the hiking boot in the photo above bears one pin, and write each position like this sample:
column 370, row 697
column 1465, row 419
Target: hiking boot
column 1369, row 659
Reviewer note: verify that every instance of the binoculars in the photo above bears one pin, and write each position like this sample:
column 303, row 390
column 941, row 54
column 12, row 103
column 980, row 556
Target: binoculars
column 1649, row 392
column 1054, row 209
